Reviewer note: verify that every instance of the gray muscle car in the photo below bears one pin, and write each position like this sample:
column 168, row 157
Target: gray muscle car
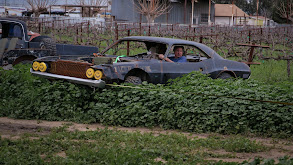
column 136, row 59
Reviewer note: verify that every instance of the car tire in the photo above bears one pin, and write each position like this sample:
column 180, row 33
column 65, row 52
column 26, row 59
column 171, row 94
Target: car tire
column 26, row 62
column 224, row 75
column 133, row 80
column 49, row 43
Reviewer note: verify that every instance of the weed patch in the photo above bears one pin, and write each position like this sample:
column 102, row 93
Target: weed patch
column 105, row 146
column 193, row 103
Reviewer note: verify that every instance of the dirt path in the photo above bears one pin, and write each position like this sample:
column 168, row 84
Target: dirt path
column 16, row 127
column 13, row 129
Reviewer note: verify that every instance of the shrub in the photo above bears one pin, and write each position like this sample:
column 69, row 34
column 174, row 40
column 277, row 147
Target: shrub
column 193, row 102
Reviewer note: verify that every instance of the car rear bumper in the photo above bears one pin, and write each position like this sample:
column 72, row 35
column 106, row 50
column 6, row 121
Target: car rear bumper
column 88, row 82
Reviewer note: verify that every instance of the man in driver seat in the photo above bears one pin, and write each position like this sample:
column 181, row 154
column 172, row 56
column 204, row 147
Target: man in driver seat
column 178, row 51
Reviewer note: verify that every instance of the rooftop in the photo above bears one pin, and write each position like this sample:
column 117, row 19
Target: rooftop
column 226, row 10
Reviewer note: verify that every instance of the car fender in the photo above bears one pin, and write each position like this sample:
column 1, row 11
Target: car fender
column 38, row 38
column 23, row 58
column 121, row 71
column 108, row 71
column 227, row 71
column 23, row 54
column 139, row 72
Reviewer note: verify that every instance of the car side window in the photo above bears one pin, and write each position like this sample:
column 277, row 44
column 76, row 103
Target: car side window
column 192, row 53
column 0, row 30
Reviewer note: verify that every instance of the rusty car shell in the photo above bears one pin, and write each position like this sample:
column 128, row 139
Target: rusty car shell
column 152, row 70
column 28, row 44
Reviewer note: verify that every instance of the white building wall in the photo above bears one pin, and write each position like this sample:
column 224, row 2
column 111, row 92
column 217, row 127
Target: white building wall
column 11, row 11
column 223, row 21
column 227, row 21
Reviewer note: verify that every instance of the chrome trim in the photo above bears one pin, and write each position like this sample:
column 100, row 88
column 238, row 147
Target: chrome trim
column 88, row 82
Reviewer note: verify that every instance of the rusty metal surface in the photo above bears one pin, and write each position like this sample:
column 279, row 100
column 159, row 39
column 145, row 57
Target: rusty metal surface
column 168, row 41
column 149, row 69
column 70, row 68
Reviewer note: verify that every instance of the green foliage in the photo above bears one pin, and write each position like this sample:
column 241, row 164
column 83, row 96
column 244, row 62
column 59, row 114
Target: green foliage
column 232, row 144
column 282, row 161
column 106, row 146
column 25, row 96
column 193, row 102
column 271, row 71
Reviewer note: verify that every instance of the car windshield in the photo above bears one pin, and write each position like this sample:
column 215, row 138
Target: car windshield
column 136, row 48
column 127, row 48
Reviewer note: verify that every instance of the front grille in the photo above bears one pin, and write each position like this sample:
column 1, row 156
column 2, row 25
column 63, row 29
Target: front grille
column 70, row 68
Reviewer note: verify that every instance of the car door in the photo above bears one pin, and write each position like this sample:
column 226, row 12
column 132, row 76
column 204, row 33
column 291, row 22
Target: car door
column 197, row 61
column 176, row 69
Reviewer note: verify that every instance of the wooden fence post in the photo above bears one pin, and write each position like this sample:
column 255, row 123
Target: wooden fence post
column 140, row 28
column 88, row 29
column 40, row 27
column 128, row 34
column 288, row 67
column 249, row 36
column 116, row 30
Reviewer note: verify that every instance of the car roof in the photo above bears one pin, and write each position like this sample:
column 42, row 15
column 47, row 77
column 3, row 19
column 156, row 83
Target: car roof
column 13, row 20
column 172, row 41
column 169, row 41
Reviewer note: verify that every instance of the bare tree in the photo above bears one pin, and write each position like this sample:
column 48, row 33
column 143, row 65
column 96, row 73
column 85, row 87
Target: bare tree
column 152, row 9
column 92, row 2
column 39, row 6
column 285, row 9
column 96, row 3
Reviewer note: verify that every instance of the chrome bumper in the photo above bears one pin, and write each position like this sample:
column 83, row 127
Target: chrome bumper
column 88, row 82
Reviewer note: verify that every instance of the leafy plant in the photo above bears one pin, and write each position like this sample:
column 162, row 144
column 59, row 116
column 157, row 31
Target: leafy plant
column 193, row 102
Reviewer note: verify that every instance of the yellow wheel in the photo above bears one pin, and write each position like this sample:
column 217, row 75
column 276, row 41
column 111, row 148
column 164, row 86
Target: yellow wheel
column 98, row 75
column 36, row 66
column 90, row 73
column 43, row 67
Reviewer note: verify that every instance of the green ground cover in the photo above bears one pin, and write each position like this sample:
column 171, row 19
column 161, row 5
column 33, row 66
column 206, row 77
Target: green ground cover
column 193, row 103
column 105, row 146
column 271, row 71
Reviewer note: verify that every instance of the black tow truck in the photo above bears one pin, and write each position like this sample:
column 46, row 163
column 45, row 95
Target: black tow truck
column 18, row 45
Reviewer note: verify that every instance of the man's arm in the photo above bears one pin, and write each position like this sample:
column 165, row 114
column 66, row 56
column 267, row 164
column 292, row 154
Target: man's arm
column 162, row 57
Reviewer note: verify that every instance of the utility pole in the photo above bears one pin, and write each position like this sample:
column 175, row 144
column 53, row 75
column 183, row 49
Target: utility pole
column 232, row 12
column 287, row 12
column 209, row 19
column 192, row 11
column 185, row 3
column 257, row 2
column 153, row 10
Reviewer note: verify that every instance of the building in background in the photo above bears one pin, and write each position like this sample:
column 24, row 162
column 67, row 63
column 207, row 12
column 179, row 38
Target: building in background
column 228, row 14
column 180, row 13
column 231, row 15
column 14, row 3
column 261, row 21
column 11, row 11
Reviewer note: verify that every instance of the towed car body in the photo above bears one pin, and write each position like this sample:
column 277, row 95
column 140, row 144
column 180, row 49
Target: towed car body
column 18, row 45
column 140, row 64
